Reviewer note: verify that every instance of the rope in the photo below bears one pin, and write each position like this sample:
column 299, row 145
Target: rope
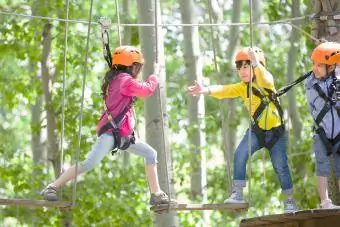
column 156, row 32
column 225, row 24
column 212, row 35
column 305, row 33
column 160, row 101
column 74, row 191
column 64, row 93
column 118, row 23
column 250, row 99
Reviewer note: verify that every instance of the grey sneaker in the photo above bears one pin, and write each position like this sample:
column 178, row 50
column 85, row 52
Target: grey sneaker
column 161, row 198
column 236, row 196
column 290, row 205
column 50, row 193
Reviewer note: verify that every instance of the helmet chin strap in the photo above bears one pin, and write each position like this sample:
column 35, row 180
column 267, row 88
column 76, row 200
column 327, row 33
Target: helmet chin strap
column 327, row 71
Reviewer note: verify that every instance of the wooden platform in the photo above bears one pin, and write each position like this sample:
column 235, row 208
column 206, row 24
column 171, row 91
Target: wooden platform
column 35, row 203
column 183, row 206
column 303, row 218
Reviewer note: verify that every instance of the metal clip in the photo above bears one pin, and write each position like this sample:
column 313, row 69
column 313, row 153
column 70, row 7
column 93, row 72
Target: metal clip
column 105, row 23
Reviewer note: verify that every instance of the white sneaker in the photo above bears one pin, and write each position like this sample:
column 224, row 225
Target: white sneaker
column 327, row 204
column 290, row 206
column 236, row 196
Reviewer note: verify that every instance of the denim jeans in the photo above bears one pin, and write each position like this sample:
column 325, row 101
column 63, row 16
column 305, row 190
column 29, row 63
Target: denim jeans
column 278, row 157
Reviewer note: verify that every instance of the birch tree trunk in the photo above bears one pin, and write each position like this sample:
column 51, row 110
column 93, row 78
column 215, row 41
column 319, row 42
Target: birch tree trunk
column 196, row 111
column 196, row 104
column 228, row 107
column 292, row 59
column 156, row 129
column 52, row 145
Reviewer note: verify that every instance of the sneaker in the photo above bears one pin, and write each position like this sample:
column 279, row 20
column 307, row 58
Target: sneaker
column 236, row 196
column 50, row 193
column 327, row 204
column 290, row 206
column 161, row 197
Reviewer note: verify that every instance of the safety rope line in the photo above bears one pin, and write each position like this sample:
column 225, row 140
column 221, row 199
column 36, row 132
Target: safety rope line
column 118, row 23
column 250, row 100
column 225, row 24
column 305, row 33
column 64, row 94
column 74, row 191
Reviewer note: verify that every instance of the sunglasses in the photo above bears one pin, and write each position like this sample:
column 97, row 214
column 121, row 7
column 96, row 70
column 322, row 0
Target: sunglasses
column 242, row 64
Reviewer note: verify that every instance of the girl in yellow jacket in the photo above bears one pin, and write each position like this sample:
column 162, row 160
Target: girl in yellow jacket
column 267, row 121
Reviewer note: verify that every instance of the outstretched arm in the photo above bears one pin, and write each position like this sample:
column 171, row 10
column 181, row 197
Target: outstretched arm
column 217, row 91
column 133, row 87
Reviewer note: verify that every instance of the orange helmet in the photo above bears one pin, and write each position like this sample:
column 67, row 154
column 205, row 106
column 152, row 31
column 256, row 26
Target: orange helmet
column 242, row 55
column 327, row 53
column 127, row 55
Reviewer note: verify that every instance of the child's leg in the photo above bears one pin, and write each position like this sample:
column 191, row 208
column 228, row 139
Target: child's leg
column 322, row 171
column 240, row 161
column 241, row 157
column 279, row 160
column 322, row 188
column 322, row 166
column 150, row 155
column 102, row 146
column 152, row 177
column 337, row 162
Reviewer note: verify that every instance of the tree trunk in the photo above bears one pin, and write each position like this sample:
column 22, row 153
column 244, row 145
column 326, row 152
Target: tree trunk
column 228, row 107
column 155, row 106
column 292, row 59
column 196, row 104
column 127, row 19
column 36, row 145
column 52, row 145
column 329, row 30
column 196, row 111
column 257, row 13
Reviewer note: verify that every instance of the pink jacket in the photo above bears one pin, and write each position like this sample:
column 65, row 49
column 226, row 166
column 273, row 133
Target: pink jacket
column 121, row 91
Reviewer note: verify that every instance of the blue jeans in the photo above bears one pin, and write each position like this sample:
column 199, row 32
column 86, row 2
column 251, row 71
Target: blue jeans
column 278, row 157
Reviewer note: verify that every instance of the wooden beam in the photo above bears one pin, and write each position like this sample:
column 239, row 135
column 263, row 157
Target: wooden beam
column 295, row 217
column 35, row 203
column 234, row 206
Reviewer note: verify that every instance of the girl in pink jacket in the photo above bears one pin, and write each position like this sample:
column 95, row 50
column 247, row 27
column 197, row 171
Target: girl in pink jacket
column 115, row 128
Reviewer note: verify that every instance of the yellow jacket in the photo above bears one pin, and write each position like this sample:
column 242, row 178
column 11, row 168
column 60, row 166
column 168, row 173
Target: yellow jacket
column 270, row 116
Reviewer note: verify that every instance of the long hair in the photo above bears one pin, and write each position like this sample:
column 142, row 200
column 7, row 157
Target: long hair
column 112, row 74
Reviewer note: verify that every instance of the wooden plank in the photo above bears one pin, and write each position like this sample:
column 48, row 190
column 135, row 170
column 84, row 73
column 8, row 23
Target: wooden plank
column 298, row 216
column 183, row 206
column 35, row 203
